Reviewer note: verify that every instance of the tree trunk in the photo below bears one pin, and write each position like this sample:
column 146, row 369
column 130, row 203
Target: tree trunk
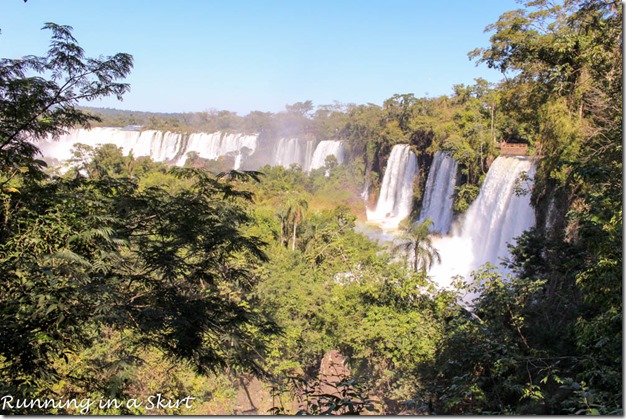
column 493, row 136
column 295, row 228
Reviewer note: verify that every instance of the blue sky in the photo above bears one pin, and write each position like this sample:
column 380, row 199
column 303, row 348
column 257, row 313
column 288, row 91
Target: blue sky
column 246, row 55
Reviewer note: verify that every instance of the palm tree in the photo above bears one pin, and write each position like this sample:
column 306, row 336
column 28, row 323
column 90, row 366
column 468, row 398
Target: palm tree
column 291, row 216
column 416, row 241
column 284, row 226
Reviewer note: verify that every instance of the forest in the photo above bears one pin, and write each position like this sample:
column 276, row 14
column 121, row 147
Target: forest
column 134, row 281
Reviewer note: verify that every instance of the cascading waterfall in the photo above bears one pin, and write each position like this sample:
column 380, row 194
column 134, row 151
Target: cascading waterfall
column 324, row 149
column 172, row 148
column 217, row 144
column 366, row 184
column 439, row 193
column 308, row 155
column 395, row 201
column 288, row 151
column 160, row 146
column 366, row 190
column 495, row 218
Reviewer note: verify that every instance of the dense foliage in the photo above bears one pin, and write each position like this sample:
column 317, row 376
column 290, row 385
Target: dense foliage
column 560, row 345
column 123, row 278
column 78, row 254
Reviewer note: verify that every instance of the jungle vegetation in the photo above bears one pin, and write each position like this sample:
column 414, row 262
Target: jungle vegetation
column 123, row 277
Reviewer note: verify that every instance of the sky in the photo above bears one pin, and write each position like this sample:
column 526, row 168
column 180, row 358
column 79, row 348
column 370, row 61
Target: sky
column 260, row 55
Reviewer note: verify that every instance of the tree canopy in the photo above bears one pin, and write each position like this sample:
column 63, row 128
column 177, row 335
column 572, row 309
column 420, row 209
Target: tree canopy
column 81, row 253
column 123, row 276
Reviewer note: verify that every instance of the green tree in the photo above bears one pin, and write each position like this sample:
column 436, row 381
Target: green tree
column 566, row 92
column 295, row 120
column 328, row 120
column 82, row 155
column 33, row 107
column 172, row 267
column 295, row 210
column 416, row 244
column 109, row 160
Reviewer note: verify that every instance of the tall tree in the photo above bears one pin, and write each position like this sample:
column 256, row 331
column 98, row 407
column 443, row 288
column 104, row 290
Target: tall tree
column 296, row 207
column 33, row 107
column 415, row 241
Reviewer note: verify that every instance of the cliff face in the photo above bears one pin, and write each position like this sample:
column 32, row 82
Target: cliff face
column 551, row 204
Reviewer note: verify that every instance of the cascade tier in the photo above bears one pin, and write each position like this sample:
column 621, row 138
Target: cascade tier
column 439, row 193
column 494, row 219
column 395, row 201
column 173, row 148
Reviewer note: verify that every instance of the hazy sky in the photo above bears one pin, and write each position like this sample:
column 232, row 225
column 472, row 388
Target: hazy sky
column 245, row 55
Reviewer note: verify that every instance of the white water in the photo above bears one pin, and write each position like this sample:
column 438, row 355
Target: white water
column 217, row 144
column 494, row 219
column 439, row 193
column 395, row 201
column 323, row 150
column 172, row 148
column 288, row 151
column 160, row 146
column 366, row 191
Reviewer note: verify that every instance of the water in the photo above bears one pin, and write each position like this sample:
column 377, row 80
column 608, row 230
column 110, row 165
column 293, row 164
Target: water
column 288, row 151
column 161, row 146
column 494, row 219
column 218, row 144
column 323, row 150
column 395, row 201
column 439, row 193
column 172, row 148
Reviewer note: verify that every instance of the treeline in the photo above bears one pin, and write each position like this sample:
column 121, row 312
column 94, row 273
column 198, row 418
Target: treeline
column 123, row 277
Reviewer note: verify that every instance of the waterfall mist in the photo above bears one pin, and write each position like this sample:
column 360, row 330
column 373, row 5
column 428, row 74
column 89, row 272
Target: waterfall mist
column 495, row 218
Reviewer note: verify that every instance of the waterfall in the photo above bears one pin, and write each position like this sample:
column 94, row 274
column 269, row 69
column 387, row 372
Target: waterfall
column 218, row 144
column 395, row 201
column 366, row 184
column 160, row 146
column 324, row 149
column 288, row 151
column 308, row 155
column 172, row 148
column 439, row 193
column 366, row 190
column 494, row 219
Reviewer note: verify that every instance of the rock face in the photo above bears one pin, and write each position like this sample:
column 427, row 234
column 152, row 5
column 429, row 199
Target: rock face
column 333, row 369
column 253, row 397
